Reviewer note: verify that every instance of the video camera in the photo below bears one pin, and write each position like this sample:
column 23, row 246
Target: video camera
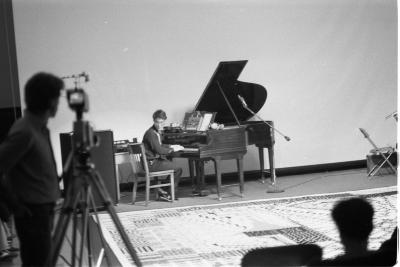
column 84, row 138
column 76, row 97
column 78, row 100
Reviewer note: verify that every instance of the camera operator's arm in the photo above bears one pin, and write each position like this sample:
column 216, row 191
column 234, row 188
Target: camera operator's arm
column 13, row 149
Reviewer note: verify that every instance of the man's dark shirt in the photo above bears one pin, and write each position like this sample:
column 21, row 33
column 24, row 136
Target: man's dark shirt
column 153, row 146
column 26, row 157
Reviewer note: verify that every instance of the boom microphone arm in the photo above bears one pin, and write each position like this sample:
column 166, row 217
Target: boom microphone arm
column 244, row 104
column 77, row 76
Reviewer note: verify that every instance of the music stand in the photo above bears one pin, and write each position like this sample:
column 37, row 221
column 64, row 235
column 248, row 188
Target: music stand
column 380, row 151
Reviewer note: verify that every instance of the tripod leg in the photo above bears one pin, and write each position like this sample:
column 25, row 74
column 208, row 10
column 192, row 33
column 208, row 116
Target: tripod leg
column 74, row 233
column 59, row 233
column 62, row 225
column 85, row 216
column 100, row 231
column 100, row 187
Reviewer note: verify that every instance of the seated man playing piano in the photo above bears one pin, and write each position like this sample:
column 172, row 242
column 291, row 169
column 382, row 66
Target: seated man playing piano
column 157, row 153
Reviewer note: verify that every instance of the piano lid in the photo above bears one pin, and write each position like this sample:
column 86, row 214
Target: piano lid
column 225, row 79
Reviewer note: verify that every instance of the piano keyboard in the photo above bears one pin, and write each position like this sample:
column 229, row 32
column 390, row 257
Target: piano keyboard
column 190, row 149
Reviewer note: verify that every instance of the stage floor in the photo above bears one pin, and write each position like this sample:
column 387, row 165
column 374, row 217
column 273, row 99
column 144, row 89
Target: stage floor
column 294, row 185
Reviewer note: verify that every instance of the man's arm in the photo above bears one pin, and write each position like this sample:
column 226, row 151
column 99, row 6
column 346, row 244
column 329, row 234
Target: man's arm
column 12, row 149
column 152, row 140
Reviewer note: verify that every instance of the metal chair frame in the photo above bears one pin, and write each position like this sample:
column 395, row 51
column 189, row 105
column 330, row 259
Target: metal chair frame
column 380, row 151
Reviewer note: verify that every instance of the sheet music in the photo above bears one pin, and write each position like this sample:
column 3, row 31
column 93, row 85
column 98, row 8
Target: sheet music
column 191, row 121
column 206, row 121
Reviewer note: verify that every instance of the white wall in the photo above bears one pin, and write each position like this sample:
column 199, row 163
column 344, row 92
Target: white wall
column 330, row 66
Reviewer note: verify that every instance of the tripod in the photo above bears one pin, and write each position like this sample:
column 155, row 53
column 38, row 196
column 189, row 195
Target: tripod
column 79, row 202
column 77, row 205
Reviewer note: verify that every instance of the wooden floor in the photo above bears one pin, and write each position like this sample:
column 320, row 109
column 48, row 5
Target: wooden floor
column 294, row 185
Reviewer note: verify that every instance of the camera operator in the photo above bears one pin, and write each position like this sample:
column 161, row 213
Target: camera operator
column 27, row 162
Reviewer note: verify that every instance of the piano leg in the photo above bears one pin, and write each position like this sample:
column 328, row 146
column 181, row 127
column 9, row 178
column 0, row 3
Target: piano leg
column 217, row 161
column 272, row 164
column 273, row 187
column 198, row 176
column 261, row 158
column 191, row 172
column 239, row 162
column 202, row 175
column 198, row 179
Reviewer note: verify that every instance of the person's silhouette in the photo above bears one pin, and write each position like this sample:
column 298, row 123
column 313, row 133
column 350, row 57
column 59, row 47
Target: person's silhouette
column 354, row 220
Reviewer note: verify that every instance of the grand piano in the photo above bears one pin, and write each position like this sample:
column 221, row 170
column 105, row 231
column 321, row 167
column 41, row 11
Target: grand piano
column 221, row 98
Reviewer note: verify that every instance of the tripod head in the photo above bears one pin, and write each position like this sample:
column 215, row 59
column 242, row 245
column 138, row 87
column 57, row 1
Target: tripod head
column 84, row 140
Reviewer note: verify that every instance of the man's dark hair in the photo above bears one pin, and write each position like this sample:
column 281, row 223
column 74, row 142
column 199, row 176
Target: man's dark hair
column 159, row 114
column 40, row 90
column 354, row 218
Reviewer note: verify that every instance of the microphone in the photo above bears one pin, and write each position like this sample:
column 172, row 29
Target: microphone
column 242, row 101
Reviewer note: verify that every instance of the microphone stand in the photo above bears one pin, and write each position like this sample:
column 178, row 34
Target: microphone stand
column 273, row 187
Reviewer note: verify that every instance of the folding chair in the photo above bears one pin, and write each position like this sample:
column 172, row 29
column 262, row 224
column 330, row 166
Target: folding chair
column 382, row 152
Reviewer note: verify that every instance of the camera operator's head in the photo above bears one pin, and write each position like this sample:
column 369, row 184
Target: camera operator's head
column 42, row 93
